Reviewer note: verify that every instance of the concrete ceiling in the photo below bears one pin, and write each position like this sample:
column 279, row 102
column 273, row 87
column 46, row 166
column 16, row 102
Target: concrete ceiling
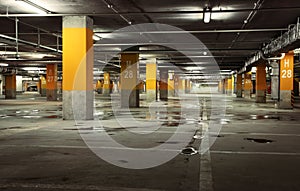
column 237, row 30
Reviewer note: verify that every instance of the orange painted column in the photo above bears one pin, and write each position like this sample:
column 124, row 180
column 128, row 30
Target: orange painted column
column 151, row 79
column 10, row 86
column 229, row 86
column 163, row 85
column 239, row 85
column 78, row 61
column 99, row 86
column 43, row 83
column 286, row 81
column 261, row 83
column 181, row 86
column 171, row 87
column 247, row 85
column 51, row 82
column 187, row 86
column 106, row 83
column 129, row 80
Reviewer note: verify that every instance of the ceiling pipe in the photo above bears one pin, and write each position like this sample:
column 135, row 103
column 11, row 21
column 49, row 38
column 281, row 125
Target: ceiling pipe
column 196, row 31
column 151, row 12
column 29, row 43
column 272, row 58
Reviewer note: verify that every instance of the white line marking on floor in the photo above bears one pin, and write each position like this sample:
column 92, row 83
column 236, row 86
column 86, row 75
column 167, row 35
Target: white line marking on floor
column 205, row 177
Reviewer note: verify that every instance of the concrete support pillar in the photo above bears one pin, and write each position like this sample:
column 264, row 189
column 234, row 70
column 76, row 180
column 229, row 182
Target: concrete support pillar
column 239, row 85
column 176, row 85
column 224, row 86
column 187, row 86
column 286, row 81
column 171, row 88
column 43, row 83
column 163, row 85
column 130, row 96
column 106, row 84
column 78, row 61
column 10, row 86
column 181, row 86
column 51, row 82
column 233, row 84
column 247, row 85
column 220, row 86
column 151, row 77
column 229, row 86
column 261, row 83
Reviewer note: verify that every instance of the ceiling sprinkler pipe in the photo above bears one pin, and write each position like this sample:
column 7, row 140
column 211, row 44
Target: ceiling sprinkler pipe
column 272, row 58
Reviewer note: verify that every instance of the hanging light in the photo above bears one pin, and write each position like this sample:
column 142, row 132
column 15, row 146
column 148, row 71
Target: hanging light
column 206, row 14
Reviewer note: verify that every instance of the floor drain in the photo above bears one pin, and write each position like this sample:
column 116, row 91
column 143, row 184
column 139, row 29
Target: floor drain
column 189, row 151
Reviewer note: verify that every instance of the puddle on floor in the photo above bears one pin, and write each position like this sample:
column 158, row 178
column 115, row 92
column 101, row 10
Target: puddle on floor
column 189, row 151
column 266, row 141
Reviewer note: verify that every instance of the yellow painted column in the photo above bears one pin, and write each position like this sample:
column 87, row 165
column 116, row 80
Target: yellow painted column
column 99, row 86
column 106, row 83
column 233, row 84
column 129, row 80
column 78, row 61
column 261, row 83
column 180, row 89
column 286, row 81
column 171, row 88
column 163, row 85
column 51, row 82
column 151, row 78
column 10, row 86
column 43, row 83
column 187, row 86
column 239, row 85
column 247, row 85
column 229, row 86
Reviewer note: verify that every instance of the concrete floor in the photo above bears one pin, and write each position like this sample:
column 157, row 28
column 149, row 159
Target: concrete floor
column 257, row 149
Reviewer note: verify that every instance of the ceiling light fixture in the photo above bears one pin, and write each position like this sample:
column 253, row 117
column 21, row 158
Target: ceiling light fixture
column 3, row 64
column 34, row 7
column 206, row 14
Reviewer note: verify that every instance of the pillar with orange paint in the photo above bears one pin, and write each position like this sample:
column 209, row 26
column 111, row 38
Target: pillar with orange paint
column 51, row 82
column 10, row 86
column 151, row 78
column 171, row 88
column 239, row 85
column 247, row 85
column 106, row 83
column 286, row 81
column 129, row 80
column 229, row 86
column 43, row 83
column 261, row 83
column 78, row 61
column 163, row 85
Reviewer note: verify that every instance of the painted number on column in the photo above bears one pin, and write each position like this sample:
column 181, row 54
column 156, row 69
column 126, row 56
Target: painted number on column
column 128, row 74
column 286, row 74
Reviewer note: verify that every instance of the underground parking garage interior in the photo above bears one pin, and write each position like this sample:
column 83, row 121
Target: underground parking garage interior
column 138, row 95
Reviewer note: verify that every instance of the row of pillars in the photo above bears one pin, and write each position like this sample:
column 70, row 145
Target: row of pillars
column 78, row 61
column 284, row 87
column 48, row 84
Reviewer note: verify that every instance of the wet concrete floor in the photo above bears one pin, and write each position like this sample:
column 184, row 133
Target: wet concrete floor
column 257, row 147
